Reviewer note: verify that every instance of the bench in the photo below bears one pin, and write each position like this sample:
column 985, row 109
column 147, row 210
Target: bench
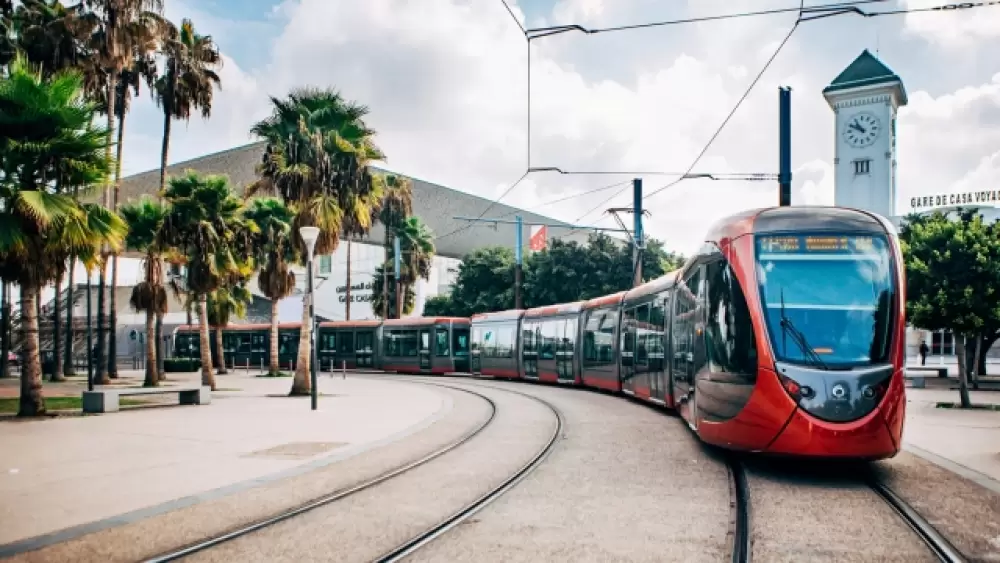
column 107, row 400
column 941, row 372
column 916, row 381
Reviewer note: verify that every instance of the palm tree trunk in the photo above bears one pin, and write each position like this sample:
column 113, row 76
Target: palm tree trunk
column 207, row 376
column 222, row 353
column 274, row 368
column 160, row 376
column 301, row 384
column 347, row 303
column 100, row 369
column 152, row 377
column 5, row 328
column 32, row 402
column 113, row 314
column 385, row 276
column 57, row 332
column 68, row 367
column 167, row 115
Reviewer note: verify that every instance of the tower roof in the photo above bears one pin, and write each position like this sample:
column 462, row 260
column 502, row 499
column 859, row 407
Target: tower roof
column 866, row 70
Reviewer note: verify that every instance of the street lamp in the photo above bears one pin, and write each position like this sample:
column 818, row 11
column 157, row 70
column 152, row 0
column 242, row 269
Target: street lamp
column 309, row 236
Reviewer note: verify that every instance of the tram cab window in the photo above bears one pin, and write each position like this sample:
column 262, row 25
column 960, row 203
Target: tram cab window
column 730, row 341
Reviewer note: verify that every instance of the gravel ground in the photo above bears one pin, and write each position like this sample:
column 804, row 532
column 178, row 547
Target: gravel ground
column 370, row 523
column 801, row 512
column 157, row 534
column 627, row 483
column 964, row 512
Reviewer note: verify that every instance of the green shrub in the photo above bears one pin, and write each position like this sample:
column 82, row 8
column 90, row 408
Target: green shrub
column 181, row 365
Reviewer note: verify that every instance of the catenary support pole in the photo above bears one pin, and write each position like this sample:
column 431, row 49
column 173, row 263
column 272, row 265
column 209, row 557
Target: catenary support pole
column 638, row 235
column 785, row 146
column 518, row 259
column 90, row 336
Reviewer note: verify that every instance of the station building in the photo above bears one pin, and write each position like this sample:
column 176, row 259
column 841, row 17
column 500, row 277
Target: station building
column 865, row 99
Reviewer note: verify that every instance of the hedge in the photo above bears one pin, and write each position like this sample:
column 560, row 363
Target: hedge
column 175, row 365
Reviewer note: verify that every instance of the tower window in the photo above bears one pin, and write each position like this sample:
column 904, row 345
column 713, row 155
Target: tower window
column 862, row 166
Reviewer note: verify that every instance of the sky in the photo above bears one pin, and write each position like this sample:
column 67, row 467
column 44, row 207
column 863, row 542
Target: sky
column 446, row 82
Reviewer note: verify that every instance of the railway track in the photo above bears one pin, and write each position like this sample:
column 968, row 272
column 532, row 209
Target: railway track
column 415, row 543
column 742, row 547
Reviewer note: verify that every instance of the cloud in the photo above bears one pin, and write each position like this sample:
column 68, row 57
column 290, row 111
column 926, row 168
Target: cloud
column 446, row 82
column 955, row 29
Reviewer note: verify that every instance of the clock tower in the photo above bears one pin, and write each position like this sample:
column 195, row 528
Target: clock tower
column 865, row 99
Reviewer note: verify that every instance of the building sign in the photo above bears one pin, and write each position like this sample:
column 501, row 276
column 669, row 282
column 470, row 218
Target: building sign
column 356, row 293
column 985, row 197
column 538, row 240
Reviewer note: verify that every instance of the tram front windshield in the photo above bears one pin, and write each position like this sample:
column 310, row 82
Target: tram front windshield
column 827, row 298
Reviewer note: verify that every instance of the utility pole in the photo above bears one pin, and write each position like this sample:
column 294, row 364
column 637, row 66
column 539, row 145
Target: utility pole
column 784, row 146
column 518, row 267
column 396, row 266
column 638, row 245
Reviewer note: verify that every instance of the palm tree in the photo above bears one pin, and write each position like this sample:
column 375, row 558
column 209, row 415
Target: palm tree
column 396, row 206
column 145, row 219
column 317, row 160
column 188, row 81
column 223, row 304
column 274, row 252
column 206, row 225
column 120, row 27
column 380, row 287
column 45, row 130
column 416, row 245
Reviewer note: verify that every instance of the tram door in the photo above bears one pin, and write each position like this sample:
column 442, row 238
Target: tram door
column 529, row 354
column 659, row 319
column 474, row 352
column 364, row 348
column 424, row 351
column 627, row 347
column 565, row 351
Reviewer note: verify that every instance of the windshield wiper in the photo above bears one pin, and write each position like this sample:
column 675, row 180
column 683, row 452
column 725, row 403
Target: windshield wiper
column 788, row 328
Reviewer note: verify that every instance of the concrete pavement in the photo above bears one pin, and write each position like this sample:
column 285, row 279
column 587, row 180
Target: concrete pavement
column 62, row 473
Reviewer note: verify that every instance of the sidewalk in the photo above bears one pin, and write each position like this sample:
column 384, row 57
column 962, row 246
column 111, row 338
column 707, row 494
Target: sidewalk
column 75, row 470
column 960, row 440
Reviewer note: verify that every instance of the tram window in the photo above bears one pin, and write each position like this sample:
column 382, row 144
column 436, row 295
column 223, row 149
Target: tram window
column 365, row 341
column 460, row 341
column 244, row 345
column 477, row 334
column 391, row 343
column 730, row 341
column 328, row 342
column 640, row 331
column 287, row 344
column 441, row 347
column 260, row 342
column 528, row 338
column 505, row 342
column 591, row 329
column 552, row 332
column 606, row 344
column 345, row 344
column 408, row 345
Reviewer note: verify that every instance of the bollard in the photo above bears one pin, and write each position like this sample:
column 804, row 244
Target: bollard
column 343, row 369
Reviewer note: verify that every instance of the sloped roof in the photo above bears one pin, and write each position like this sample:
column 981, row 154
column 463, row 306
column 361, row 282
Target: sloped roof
column 866, row 70
column 435, row 204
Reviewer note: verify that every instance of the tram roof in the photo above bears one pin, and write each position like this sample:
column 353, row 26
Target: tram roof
column 509, row 315
column 554, row 310
column 652, row 287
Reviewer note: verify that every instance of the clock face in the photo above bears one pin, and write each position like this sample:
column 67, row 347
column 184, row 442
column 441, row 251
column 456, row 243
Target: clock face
column 862, row 129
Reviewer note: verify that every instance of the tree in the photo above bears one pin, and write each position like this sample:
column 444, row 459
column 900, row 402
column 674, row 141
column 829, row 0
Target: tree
column 145, row 219
column 396, row 206
column 317, row 160
column 46, row 130
column 120, row 27
column 223, row 304
column 207, row 227
column 485, row 281
column 440, row 306
column 275, row 251
column 188, row 82
column 379, row 289
column 953, row 278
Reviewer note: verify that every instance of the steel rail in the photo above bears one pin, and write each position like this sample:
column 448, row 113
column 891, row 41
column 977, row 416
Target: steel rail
column 937, row 543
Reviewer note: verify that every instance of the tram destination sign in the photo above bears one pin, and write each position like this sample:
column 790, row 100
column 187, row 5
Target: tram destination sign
column 809, row 244
column 983, row 197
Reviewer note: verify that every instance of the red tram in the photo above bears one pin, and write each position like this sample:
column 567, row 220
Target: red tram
column 783, row 334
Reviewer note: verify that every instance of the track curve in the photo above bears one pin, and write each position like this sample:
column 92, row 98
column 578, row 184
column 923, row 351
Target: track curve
column 333, row 496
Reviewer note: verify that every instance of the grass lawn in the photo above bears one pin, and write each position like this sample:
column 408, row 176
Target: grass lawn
column 8, row 405
column 974, row 406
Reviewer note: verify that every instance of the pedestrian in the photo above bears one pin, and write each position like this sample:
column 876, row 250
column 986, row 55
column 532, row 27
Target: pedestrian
column 923, row 353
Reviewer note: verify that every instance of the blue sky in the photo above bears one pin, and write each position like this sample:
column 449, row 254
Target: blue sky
column 445, row 81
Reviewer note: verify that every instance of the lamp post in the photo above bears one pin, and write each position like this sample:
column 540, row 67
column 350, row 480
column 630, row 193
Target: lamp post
column 309, row 236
